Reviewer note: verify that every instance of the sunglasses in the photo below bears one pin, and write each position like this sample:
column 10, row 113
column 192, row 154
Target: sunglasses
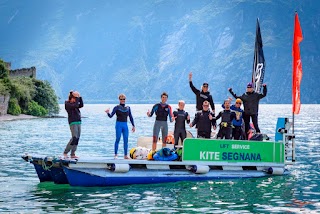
column 122, row 99
column 205, row 86
column 205, row 105
column 239, row 103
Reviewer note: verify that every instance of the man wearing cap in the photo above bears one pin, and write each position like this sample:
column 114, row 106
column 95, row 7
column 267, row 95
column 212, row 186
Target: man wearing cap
column 251, row 105
column 201, row 96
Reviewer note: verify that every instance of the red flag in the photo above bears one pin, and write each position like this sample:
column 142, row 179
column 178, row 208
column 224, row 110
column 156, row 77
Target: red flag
column 296, row 66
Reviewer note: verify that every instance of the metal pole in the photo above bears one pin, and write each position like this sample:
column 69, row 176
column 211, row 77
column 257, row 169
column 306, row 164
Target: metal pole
column 293, row 140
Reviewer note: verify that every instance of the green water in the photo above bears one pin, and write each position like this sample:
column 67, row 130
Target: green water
column 21, row 191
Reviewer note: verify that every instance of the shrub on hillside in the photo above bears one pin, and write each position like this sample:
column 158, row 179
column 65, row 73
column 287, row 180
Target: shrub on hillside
column 4, row 89
column 35, row 109
column 14, row 107
column 4, row 73
column 23, row 90
column 46, row 97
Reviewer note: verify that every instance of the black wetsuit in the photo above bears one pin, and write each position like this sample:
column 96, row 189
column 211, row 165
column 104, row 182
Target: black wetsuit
column 251, row 107
column 180, row 127
column 201, row 97
column 225, row 130
column 203, row 123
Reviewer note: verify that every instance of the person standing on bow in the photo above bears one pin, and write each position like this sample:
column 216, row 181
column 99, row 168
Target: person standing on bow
column 181, row 117
column 123, row 112
column 72, row 106
column 250, row 101
column 201, row 96
column 204, row 120
column 162, row 111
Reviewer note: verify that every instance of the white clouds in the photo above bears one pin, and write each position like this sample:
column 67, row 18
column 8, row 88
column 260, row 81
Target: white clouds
column 12, row 17
column 79, row 15
column 79, row 63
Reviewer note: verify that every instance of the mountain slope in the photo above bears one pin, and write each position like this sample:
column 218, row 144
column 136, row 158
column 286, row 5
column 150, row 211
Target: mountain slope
column 142, row 48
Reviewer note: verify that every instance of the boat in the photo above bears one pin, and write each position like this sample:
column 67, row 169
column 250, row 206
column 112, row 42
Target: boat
column 202, row 159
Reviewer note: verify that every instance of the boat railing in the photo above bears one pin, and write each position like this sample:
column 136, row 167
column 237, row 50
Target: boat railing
column 289, row 143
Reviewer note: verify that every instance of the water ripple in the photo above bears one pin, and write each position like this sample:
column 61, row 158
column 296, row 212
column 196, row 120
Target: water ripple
column 21, row 191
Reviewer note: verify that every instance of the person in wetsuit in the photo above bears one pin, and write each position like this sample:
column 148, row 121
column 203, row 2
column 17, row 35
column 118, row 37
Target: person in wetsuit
column 237, row 130
column 227, row 116
column 162, row 111
column 201, row 96
column 204, row 120
column 72, row 106
column 181, row 117
column 250, row 101
column 123, row 112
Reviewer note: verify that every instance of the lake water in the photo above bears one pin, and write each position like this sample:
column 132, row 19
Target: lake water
column 21, row 191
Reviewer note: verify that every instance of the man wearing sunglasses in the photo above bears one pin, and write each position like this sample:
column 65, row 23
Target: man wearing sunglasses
column 251, row 105
column 201, row 96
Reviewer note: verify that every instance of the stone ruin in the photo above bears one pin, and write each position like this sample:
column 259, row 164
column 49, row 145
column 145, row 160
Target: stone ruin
column 23, row 72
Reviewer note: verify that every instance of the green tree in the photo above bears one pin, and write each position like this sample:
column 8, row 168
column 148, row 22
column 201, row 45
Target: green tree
column 28, row 95
column 4, row 87
column 23, row 89
column 36, row 110
column 46, row 96
column 4, row 72
column 14, row 107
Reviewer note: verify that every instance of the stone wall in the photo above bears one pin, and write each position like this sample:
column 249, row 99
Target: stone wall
column 4, row 101
column 8, row 65
column 24, row 72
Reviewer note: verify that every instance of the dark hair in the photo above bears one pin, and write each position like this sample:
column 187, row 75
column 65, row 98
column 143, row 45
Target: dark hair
column 164, row 94
column 70, row 95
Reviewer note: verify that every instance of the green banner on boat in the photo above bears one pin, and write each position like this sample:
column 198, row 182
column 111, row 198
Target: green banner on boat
column 232, row 151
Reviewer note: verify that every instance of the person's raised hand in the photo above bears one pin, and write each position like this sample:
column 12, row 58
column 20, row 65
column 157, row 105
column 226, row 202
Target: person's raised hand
column 76, row 94
column 190, row 76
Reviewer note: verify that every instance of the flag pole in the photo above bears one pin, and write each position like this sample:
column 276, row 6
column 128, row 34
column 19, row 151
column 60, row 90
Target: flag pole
column 296, row 75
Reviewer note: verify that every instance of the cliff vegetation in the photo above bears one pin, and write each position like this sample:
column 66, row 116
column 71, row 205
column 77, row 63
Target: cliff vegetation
column 28, row 95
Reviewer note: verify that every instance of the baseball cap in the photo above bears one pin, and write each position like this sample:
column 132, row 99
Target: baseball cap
column 238, row 100
column 249, row 85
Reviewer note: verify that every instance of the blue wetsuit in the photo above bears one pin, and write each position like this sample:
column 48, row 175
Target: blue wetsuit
column 122, row 113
